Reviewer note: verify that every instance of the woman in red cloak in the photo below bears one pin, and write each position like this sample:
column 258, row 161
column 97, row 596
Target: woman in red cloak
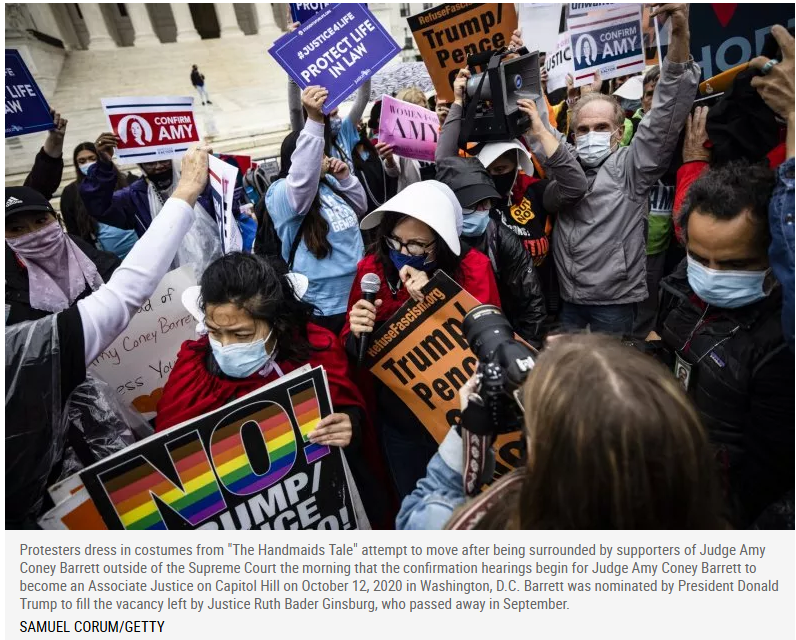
column 257, row 331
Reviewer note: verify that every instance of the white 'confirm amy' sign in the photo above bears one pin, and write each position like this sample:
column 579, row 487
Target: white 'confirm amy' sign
column 139, row 361
column 152, row 128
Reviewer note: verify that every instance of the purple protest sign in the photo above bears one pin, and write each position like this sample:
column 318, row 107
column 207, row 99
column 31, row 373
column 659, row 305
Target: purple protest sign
column 303, row 11
column 409, row 129
column 339, row 48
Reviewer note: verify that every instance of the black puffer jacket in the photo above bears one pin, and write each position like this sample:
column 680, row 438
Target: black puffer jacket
column 518, row 283
column 18, row 307
column 742, row 380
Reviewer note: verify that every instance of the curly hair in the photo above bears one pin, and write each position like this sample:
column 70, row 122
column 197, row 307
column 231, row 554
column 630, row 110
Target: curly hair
column 253, row 283
column 727, row 191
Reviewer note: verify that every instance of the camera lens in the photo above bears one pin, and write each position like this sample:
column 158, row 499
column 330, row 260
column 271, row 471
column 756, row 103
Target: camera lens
column 485, row 328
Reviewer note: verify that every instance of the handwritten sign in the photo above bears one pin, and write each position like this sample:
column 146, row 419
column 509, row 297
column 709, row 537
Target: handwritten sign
column 339, row 49
column 605, row 38
column 151, row 128
column 411, row 130
column 137, row 364
column 447, row 34
column 26, row 109
column 246, row 465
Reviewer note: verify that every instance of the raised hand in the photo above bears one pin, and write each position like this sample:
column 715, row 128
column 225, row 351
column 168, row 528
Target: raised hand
column 313, row 98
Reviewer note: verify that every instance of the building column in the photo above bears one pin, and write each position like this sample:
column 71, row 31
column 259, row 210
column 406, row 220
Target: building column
column 186, row 32
column 227, row 20
column 142, row 25
column 99, row 36
column 265, row 17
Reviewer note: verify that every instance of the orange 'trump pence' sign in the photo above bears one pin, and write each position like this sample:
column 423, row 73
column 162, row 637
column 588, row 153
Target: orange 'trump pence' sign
column 448, row 33
column 422, row 355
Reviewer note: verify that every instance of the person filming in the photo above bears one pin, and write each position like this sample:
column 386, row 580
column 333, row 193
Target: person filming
column 612, row 443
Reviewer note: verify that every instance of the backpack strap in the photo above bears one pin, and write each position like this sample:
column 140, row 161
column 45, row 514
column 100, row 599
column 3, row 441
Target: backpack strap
column 296, row 242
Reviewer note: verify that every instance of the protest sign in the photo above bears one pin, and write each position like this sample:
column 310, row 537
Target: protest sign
column 67, row 487
column 730, row 34
column 422, row 355
column 152, row 128
column 411, row 130
column 655, row 34
column 539, row 22
column 246, row 465
column 339, row 49
column 303, row 11
column 607, row 38
column 559, row 63
column 26, row 109
column 447, row 34
column 222, row 177
column 137, row 364
column 77, row 511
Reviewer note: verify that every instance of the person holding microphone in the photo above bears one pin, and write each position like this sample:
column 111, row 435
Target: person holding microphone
column 417, row 234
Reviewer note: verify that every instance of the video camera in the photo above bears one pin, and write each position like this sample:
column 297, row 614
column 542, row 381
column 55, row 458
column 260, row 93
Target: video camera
column 504, row 364
column 491, row 111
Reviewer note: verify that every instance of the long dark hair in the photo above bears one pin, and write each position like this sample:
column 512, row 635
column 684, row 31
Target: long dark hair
column 253, row 283
column 86, row 225
column 316, row 228
column 613, row 443
column 446, row 260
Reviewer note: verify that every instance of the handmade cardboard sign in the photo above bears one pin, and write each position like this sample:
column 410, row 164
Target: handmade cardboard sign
column 137, row 364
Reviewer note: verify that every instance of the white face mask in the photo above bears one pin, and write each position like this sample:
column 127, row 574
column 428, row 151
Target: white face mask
column 85, row 167
column 593, row 147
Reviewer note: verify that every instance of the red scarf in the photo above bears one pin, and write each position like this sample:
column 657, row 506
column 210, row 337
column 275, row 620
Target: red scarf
column 192, row 390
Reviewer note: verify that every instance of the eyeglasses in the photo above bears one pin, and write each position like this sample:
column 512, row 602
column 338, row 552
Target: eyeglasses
column 413, row 248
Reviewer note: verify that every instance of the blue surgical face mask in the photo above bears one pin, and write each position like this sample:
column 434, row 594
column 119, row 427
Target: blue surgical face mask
column 593, row 147
column 242, row 359
column 726, row 289
column 474, row 222
column 401, row 260
column 85, row 167
column 335, row 124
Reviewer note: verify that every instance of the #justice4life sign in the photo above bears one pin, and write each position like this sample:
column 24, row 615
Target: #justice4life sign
column 340, row 48
column 152, row 128
column 26, row 109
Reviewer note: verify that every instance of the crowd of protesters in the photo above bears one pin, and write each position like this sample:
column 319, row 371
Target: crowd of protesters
column 630, row 209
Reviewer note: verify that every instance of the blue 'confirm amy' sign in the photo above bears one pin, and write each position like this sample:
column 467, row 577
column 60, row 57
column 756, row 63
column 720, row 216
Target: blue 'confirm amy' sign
column 339, row 48
column 26, row 109
column 609, row 45
column 303, row 11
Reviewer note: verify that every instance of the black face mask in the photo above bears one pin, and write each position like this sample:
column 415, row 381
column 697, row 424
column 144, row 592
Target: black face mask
column 162, row 179
column 504, row 183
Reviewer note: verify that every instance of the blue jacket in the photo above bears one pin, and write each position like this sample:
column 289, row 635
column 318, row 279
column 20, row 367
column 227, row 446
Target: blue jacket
column 126, row 208
column 780, row 220
column 436, row 497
